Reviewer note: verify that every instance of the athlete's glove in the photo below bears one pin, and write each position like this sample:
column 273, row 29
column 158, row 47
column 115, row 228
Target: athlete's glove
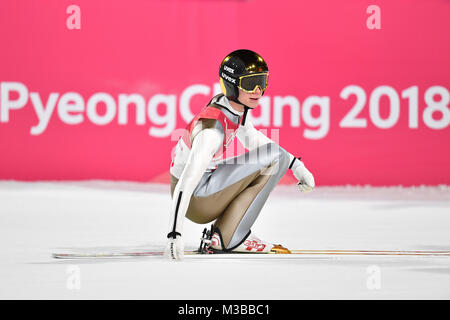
column 305, row 178
column 175, row 248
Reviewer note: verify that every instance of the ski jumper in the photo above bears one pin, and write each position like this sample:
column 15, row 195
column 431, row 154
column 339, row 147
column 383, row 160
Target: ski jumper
column 232, row 191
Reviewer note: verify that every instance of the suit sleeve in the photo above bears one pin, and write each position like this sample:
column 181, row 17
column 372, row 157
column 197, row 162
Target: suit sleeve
column 206, row 143
column 252, row 138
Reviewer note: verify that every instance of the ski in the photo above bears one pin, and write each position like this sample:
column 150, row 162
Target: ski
column 375, row 252
column 137, row 254
column 305, row 252
column 81, row 255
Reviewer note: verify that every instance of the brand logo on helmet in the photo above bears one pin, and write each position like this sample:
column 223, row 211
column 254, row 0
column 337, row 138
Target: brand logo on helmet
column 228, row 78
column 228, row 69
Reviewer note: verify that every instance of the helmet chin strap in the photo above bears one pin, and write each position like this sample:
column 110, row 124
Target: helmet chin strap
column 246, row 108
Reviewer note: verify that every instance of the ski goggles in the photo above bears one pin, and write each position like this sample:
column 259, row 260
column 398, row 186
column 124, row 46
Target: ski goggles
column 250, row 82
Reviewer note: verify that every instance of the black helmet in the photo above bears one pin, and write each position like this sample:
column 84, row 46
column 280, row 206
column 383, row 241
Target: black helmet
column 243, row 69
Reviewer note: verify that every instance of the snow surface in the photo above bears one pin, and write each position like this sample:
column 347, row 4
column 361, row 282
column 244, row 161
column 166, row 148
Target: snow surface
column 36, row 218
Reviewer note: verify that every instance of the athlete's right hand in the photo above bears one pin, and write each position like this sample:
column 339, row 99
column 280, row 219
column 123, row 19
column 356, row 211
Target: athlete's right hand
column 305, row 178
column 175, row 249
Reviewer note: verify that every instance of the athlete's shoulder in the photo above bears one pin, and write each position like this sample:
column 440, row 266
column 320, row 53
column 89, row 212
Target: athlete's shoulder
column 207, row 123
column 217, row 100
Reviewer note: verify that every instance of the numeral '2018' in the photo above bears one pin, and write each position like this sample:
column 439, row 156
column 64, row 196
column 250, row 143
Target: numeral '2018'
column 351, row 120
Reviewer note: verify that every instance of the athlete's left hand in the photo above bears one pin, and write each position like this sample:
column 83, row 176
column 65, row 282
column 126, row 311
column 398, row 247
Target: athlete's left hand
column 175, row 249
column 305, row 178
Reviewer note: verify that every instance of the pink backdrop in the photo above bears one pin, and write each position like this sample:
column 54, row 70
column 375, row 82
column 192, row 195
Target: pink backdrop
column 360, row 105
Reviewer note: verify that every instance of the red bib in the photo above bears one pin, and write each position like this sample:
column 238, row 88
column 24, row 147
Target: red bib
column 209, row 112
